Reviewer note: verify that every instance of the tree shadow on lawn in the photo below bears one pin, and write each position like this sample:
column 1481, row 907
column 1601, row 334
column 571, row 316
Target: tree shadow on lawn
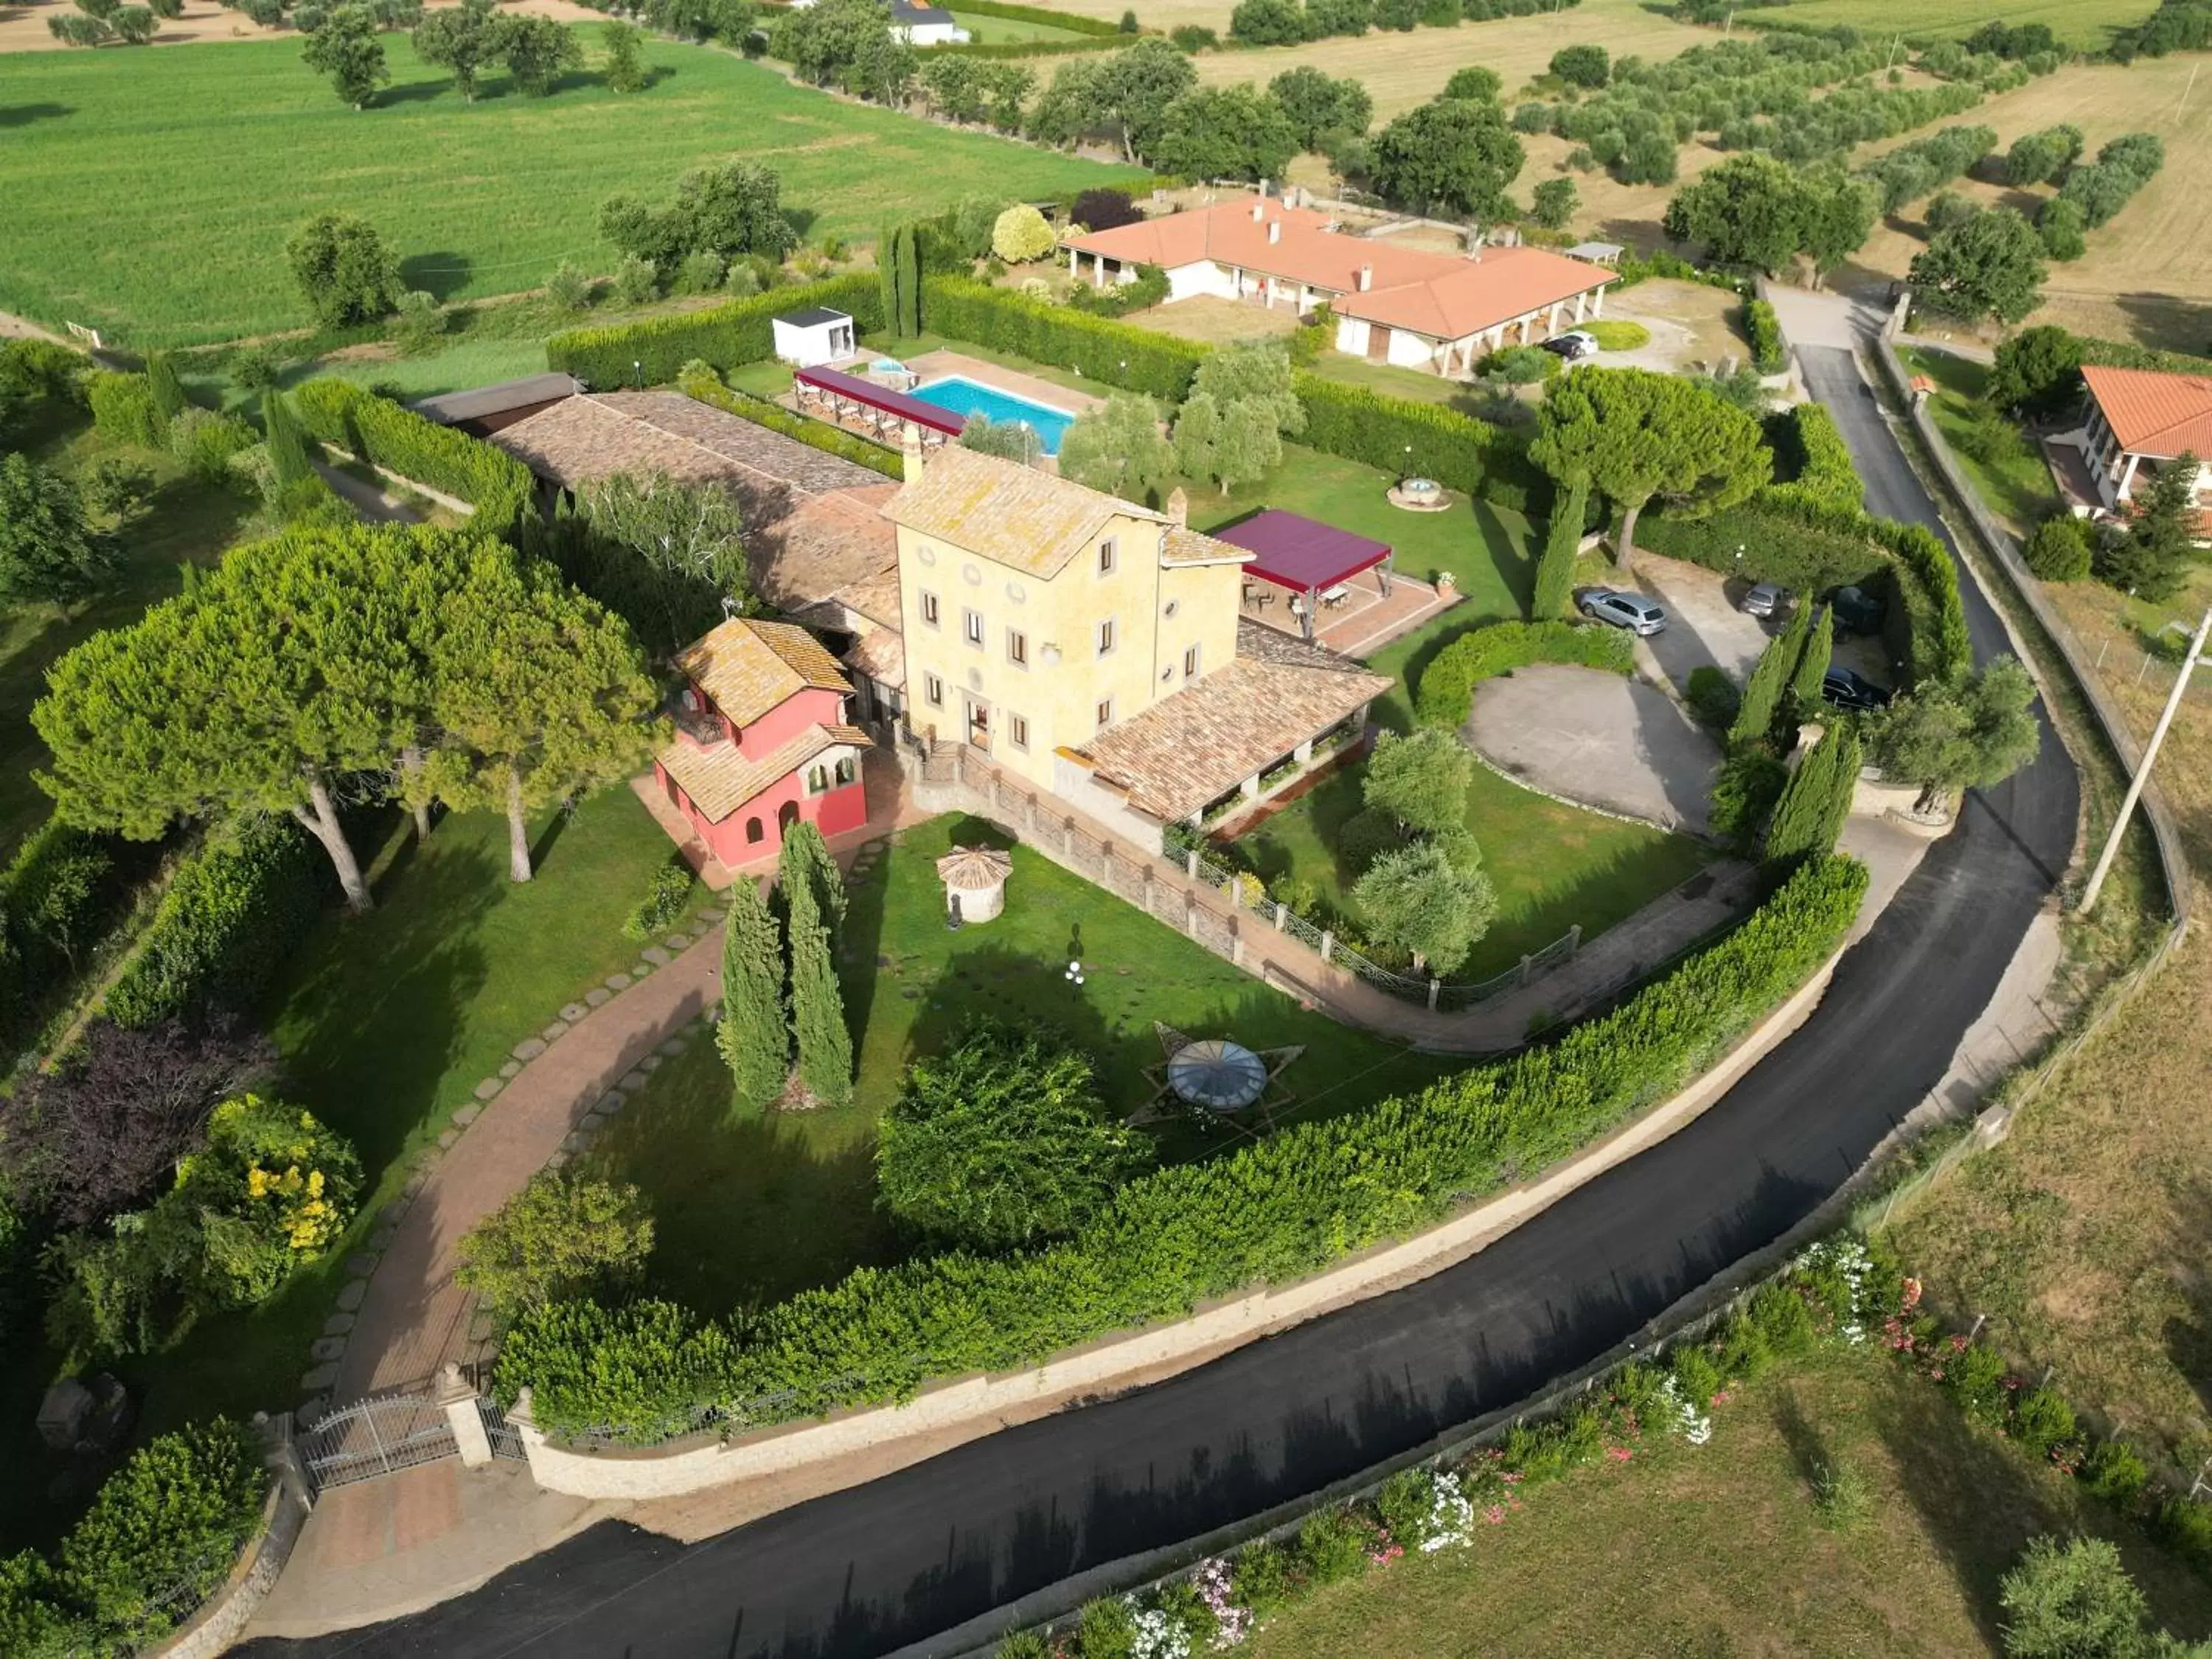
column 22, row 115
column 1980, row 1500
column 372, row 1014
column 441, row 275
column 1517, row 571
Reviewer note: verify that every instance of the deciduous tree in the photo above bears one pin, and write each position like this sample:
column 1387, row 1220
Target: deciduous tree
column 344, row 269
column 1635, row 435
column 1001, row 1141
column 2039, row 368
column 733, row 208
column 348, row 49
column 665, row 555
column 1417, row 900
column 1582, row 64
column 1323, row 108
column 462, row 40
column 1420, row 780
column 1966, row 734
column 753, row 1036
column 1753, row 210
column 1135, row 89
column 1451, row 155
column 1991, row 265
column 562, row 1236
column 623, row 60
column 1021, row 234
column 2151, row 554
column 1553, row 202
column 823, row 41
column 1224, row 132
column 1117, row 447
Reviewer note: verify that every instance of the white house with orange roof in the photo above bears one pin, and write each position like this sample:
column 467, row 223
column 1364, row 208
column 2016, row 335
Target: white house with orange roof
column 1439, row 311
column 2137, row 421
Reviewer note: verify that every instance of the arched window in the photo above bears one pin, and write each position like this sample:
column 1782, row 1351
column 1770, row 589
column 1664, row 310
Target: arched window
column 818, row 779
column 849, row 768
column 753, row 831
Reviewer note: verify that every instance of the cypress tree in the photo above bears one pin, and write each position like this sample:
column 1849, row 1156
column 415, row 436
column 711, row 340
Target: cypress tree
column 887, row 273
column 168, row 391
column 753, row 1036
column 288, row 445
column 805, row 858
column 1813, row 663
column 1815, row 801
column 909, row 258
column 1555, row 572
column 1762, row 693
column 817, row 1005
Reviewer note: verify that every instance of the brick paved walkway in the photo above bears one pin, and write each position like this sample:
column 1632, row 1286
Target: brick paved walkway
column 414, row 1318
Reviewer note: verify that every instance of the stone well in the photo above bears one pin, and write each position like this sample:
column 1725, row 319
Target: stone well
column 975, row 880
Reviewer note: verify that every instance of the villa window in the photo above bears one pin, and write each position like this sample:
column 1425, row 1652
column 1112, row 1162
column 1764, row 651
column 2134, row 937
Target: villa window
column 1106, row 557
column 848, row 769
column 1105, row 714
column 818, row 779
column 971, row 627
column 1190, row 664
column 932, row 691
column 1017, row 729
column 1105, row 636
column 1018, row 647
column 753, row 832
column 929, row 608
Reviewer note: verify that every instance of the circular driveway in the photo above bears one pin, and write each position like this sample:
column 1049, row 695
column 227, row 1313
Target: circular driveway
column 1605, row 740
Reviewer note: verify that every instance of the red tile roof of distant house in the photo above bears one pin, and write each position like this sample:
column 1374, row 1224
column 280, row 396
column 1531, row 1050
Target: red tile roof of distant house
column 2153, row 413
column 1445, row 296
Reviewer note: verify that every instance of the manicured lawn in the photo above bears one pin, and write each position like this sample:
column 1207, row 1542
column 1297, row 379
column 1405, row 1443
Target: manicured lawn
column 1716, row 1552
column 753, row 1206
column 1392, row 381
column 1554, row 866
column 2011, row 479
column 188, row 522
column 2086, row 24
column 153, row 194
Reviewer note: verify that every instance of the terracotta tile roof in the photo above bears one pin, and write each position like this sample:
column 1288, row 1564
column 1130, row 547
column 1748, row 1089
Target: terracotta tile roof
column 1445, row 296
column 748, row 668
column 1202, row 742
column 1475, row 294
column 826, row 547
column 579, row 440
column 2153, row 413
column 881, row 656
column 718, row 779
column 1015, row 515
column 1188, row 546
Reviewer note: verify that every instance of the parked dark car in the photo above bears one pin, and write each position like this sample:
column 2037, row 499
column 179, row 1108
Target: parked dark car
column 1622, row 609
column 1857, row 612
column 1842, row 688
column 1574, row 347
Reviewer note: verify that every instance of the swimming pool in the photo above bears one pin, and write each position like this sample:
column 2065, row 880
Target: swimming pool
column 965, row 397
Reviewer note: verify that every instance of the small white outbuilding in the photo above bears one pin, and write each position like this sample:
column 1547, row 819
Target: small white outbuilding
column 814, row 336
column 975, row 880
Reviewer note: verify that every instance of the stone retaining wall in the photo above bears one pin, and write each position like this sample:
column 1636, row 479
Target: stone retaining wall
column 223, row 1617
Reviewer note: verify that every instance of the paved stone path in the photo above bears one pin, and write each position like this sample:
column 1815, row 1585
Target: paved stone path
column 413, row 1317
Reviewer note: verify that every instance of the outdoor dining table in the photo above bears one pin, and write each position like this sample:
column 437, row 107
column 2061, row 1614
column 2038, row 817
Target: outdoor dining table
column 1218, row 1075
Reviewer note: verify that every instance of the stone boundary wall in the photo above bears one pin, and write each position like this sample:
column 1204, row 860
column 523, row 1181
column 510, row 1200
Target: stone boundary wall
column 977, row 1403
column 223, row 1617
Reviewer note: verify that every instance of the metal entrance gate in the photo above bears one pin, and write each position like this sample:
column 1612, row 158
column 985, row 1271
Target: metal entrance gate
column 506, row 1439
column 376, row 1437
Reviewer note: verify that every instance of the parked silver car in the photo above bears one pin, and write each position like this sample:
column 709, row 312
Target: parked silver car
column 1630, row 610
column 1767, row 599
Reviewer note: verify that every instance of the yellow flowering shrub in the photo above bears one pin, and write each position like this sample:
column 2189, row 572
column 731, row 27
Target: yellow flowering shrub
column 277, row 1187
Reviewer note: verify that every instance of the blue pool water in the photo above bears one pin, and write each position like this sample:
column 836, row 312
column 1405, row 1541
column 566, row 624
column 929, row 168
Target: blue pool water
column 966, row 397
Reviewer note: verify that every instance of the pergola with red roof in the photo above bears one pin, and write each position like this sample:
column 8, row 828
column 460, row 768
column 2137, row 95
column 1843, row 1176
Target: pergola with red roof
column 884, row 412
column 1306, row 556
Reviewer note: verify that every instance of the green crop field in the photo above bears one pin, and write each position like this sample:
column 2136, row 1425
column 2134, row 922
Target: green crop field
column 2079, row 23
column 149, row 194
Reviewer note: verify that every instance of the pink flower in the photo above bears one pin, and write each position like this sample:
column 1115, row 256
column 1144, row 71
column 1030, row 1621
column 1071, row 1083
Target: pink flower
column 1937, row 1373
column 1495, row 1514
column 1619, row 1454
column 1957, row 1343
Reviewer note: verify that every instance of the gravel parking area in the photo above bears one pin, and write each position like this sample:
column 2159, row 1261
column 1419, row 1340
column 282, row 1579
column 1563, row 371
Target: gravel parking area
column 1705, row 628
column 1604, row 740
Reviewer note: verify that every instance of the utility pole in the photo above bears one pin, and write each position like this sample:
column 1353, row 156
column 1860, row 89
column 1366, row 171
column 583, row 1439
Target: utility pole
column 2186, row 90
column 2142, row 771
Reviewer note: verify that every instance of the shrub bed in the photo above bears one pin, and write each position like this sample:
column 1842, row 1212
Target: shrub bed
column 653, row 352
column 816, row 435
column 498, row 486
column 231, row 914
column 159, row 1539
column 1275, row 1210
column 1445, row 693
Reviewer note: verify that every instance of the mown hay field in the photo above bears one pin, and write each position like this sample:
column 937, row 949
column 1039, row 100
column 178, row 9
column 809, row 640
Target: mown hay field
column 2083, row 24
column 150, row 194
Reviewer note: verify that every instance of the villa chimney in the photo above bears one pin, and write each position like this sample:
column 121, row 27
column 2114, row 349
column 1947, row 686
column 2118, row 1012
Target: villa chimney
column 910, row 451
column 1366, row 278
column 1275, row 231
column 1259, row 209
column 1178, row 508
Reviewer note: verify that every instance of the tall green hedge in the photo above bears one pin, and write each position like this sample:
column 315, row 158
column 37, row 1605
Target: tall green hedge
column 1769, row 355
column 1405, row 439
column 654, row 351
column 816, row 435
column 123, row 409
column 231, row 916
column 1814, row 456
column 59, row 892
column 1446, row 692
column 1098, row 348
column 1272, row 1212
column 498, row 486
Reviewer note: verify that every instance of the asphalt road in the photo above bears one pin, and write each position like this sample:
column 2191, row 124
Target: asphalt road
column 901, row 1560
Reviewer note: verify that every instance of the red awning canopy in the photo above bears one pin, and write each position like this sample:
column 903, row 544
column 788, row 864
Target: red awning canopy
column 1301, row 554
column 876, row 397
